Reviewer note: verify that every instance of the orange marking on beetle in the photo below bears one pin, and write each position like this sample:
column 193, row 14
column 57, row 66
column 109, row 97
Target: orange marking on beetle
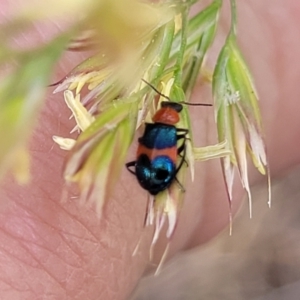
column 152, row 153
column 166, row 115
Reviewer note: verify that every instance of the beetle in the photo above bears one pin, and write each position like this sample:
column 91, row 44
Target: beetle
column 156, row 164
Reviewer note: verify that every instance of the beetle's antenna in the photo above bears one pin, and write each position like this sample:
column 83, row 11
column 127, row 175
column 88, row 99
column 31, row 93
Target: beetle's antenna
column 156, row 90
column 181, row 102
column 195, row 104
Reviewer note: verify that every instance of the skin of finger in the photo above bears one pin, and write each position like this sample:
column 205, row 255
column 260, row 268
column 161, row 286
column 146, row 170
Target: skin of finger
column 62, row 250
column 273, row 58
column 58, row 249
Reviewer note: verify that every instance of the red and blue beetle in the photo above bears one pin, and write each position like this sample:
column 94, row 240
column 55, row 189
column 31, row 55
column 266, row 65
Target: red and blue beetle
column 156, row 164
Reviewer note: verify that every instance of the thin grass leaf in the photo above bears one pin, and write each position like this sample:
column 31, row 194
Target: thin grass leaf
column 211, row 152
column 211, row 16
column 203, row 22
column 200, row 35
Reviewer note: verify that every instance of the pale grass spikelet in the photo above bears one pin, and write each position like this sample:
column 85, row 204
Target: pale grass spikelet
column 82, row 117
column 164, row 208
column 238, row 117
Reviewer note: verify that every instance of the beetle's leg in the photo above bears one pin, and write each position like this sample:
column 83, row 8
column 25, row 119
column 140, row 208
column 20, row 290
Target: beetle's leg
column 181, row 148
column 182, row 131
column 180, row 185
column 129, row 165
column 182, row 135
